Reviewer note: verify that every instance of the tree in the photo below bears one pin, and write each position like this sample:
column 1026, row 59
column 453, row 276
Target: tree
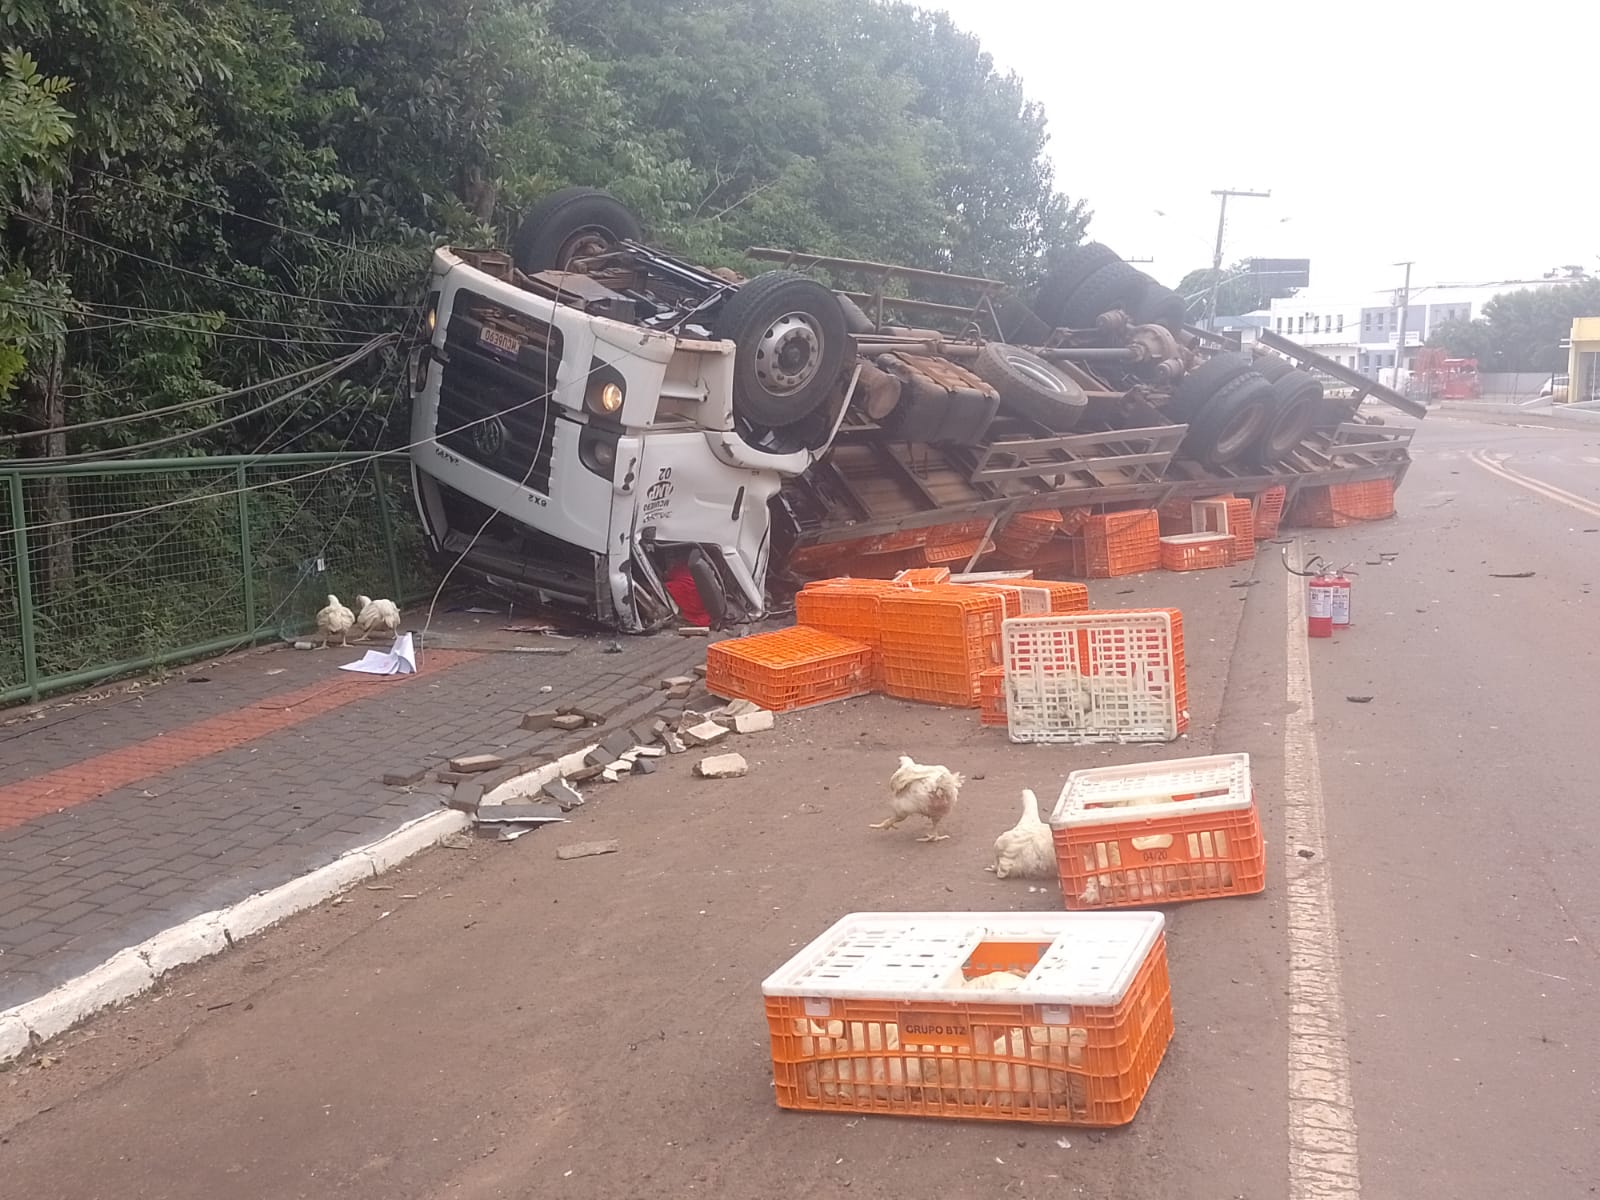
column 1240, row 291
column 1522, row 330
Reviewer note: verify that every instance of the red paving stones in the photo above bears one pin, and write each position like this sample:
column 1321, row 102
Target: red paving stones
column 94, row 777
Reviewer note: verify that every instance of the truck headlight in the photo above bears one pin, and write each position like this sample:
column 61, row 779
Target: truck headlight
column 609, row 399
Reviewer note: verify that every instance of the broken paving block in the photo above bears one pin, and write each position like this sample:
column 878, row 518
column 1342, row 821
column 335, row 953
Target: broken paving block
column 454, row 776
column 610, row 776
column 564, row 794
column 520, row 812
column 621, row 766
column 722, row 766
column 701, row 670
column 587, row 849
column 467, row 797
column 753, row 722
column 648, row 752
column 472, row 764
column 679, row 693
column 598, row 757
column 644, row 766
column 569, row 722
column 536, row 722
column 618, row 742
column 584, row 774
column 675, row 681
column 734, row 708
column 406, row 777
column 706, row 733
column 672, row 742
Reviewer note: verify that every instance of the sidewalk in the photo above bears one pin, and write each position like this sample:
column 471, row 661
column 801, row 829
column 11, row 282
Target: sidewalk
column 122, row 816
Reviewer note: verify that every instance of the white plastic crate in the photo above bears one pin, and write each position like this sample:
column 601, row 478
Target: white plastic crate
column 1140, row 791
column 1114, row 676
column 917, row 957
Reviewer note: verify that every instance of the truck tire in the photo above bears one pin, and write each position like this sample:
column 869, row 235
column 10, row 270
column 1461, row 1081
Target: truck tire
column 1030, row 387
column 1271, row 368
column 855, row 318
column 1160, row 306
column 790, row 345
column 1296, row 405
column 568, row 224
column 1199, row 385
column 1115, row 285
column 1076, row 265
column 1231, row 422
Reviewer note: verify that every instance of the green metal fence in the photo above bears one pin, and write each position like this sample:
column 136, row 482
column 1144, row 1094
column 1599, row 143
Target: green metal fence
column 109, row 567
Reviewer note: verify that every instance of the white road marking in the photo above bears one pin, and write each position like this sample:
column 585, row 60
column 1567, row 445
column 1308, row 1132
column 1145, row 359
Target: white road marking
column 1495, row 465
column 1323, row 1163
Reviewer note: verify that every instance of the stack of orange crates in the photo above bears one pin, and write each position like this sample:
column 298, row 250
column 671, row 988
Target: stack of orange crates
column 789, row 668
column 848, row 608
column 1026, row 534
column 1268, row 512
column 1064, row 597
column 962, row 551
column 1242, row 528
column 1341, row 504
column 936, row 641
column 1121, row 543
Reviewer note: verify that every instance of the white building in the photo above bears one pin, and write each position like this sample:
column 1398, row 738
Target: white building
column 1361, row 330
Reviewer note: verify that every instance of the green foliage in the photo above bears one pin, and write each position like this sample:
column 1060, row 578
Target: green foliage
column 1239, row 291
column 1522, row 330
column 32, row 121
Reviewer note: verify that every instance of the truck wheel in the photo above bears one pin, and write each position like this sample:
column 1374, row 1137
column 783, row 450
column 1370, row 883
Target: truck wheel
column 855, row 317
column 1076, row 265
column 1270, row 367
column 1030, row 387
column 1115, row 285
column 1231, row 422
column 1296, row 405
column 571, row 223
column 1205, row 381
column 789, row 335
column 1160, row 306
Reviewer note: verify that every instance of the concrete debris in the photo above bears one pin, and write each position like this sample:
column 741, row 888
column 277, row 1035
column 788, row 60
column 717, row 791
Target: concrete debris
column 610, row 776
column 473, row 764
column 734, row 708
column 722, row 766
column 467, row 797
column 564, row 794
column 644, row 766
column 405, row 778
column 520, row 812
column 753, row 722
column 618, row 742
column 621, row 765
column 569, row 722
column 646, row 732
column 590, row 717
column 587, row 849
column 537, row 722
column 648, row 752
column 455, row 776
column 678, row 681
column 707, row 733
column 584, row 774
column 672, row 742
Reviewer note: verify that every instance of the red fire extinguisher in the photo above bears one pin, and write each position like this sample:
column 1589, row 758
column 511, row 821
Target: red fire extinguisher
column 1339, row 598
column 1319, row 611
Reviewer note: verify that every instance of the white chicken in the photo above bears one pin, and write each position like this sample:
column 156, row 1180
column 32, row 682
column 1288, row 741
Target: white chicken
column 1025, row 851
column 930, row 791
column 335, row 618
column 376, row 614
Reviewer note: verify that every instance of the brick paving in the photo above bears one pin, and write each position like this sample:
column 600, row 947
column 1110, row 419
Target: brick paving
column 122, row 817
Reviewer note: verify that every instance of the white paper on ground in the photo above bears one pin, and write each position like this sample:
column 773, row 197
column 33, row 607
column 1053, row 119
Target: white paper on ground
column 399, row 659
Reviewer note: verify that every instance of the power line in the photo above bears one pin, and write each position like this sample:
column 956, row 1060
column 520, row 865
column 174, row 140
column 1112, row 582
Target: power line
column 89, row 308
column 231, row 283
column 217, row 398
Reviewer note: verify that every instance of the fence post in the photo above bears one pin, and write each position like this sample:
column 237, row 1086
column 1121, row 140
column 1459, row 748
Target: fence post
column 247, row 562
column 19, row 535
column 388, row 532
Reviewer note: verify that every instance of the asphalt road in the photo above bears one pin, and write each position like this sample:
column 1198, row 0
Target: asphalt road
column 497, row 1024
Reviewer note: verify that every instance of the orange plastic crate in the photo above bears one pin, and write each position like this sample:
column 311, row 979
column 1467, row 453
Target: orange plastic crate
column 1049, row 1052
column 1340, row 504
column 1242, row 528
column 923, row 576
column 1175, row 517
column 1269, row 512
column 1064, row 597
column 847, row 607
column 789, row 668
column 937, row 640
column 1159, row 833
column 956, row 552
column 1026, row 534
column 1122, row 543
column 992, row 696
column 1196, row 551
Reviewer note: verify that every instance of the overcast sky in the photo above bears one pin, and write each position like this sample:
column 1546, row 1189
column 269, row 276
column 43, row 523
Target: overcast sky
column 1466, row 137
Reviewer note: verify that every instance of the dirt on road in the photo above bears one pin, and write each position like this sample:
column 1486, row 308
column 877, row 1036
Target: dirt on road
column 491, row 1022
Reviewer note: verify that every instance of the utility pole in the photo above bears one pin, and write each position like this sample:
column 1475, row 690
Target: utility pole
column 1400, row 341
column 1216, row 258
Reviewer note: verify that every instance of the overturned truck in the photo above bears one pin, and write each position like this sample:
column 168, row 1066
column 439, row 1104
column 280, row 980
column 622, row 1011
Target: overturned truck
column 594, row 419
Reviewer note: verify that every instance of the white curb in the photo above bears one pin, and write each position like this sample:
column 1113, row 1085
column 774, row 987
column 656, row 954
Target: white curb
column 130, row 972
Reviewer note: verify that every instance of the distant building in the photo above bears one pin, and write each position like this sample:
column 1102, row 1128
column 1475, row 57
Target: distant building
column 1361, row 330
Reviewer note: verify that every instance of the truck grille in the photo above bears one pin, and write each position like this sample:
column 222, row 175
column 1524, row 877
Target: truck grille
column 494, row 404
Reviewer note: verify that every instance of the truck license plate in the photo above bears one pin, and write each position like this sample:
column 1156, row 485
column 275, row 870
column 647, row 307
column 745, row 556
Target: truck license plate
column 502, row 342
